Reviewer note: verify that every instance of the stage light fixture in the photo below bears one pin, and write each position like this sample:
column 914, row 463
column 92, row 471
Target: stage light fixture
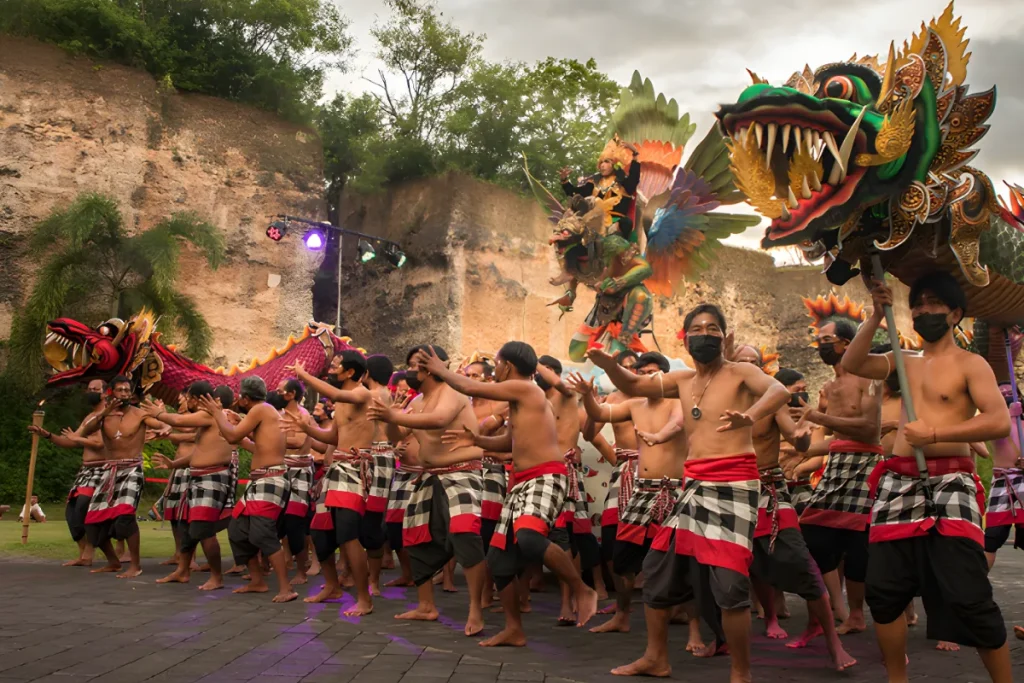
column 277, row 230
column 366, row 251
column 394, row 255
column 314, row 240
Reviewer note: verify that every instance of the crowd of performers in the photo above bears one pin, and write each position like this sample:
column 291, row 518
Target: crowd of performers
column 711, row 499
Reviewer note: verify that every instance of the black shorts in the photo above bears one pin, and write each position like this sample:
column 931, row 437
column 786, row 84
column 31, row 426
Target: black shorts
column 74, row 515
column 120, row 528
column 829, row 547
column 951, row 576
column 789, row 568
column 394, row 534
column 523, row 549
column 996, row 537
column 428, row 558
column 628, row 559
column 250, row 535
column 193, row 533
column 487, row 527
column 672, row 580
column 608, row 533
column 349, row 525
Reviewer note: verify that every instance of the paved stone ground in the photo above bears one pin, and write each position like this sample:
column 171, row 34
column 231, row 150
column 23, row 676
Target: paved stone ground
column 64, row 625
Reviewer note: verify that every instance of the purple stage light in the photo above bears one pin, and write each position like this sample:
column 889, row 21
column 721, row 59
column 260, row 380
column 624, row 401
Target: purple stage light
column 314, row 240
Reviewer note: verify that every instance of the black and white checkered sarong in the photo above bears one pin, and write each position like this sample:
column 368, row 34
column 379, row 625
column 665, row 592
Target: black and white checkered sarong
column 841, row 499
column 534, row 502
column 1005, row 497
column 463, row 486
column 119, row 491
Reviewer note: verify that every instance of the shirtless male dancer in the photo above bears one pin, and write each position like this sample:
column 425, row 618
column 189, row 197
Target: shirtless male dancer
column 573, row 529
column 835, row 521
column 539, row 483
column 343, row 525
column 88, row 478
column 254, row 528
column 781, row 559
column 926, row 536
column 799, row 488
column 210, row 486
column 298, row 458
column 112, row 508
column 656, row 489
column 713, row 523
column 407, row 469
column 442, row 520
column 1005, row 509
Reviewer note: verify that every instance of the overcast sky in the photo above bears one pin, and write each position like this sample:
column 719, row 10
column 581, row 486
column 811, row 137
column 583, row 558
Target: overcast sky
column 697, row 54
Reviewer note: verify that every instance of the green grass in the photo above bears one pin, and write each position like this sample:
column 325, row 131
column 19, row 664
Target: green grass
column 51, row 541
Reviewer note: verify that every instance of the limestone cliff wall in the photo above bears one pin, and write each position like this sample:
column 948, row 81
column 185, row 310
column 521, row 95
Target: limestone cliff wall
column 69, row 125
column 478, row 272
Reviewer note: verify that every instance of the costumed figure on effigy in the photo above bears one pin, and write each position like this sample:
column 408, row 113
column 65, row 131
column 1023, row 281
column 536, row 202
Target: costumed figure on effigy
column 600, row 236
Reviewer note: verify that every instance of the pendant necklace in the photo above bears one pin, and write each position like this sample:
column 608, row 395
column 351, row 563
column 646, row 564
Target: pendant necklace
column 695, row 411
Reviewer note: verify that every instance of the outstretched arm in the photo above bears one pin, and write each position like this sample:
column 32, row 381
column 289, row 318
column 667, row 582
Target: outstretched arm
column 233, row 434
column 650, row 386
column 676, row 424
column 799, row 436
column 554, row 379
column 508, row 391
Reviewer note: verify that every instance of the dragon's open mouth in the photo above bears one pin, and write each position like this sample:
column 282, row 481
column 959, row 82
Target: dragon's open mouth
column 67, row 357
column 794, row 164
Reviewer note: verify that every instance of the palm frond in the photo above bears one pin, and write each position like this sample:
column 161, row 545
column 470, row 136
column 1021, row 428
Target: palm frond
column 190, row 227
column 91, row 217
column 154, row 255
column 191, row 322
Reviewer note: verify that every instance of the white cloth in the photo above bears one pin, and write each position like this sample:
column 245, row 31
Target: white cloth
column 36, row 512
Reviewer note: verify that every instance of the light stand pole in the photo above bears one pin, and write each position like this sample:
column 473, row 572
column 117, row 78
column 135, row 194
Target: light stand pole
column 337, row 317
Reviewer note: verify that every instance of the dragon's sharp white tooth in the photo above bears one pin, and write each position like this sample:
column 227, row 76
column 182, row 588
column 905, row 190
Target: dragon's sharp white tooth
column 791, row 198
column 786, row 215
column 772, row 129
column 815, row 181
column 785, row 137
column 810, row 141
column 830, row 142
column 797, row 138
column 759, row 132
column 849, row 140
column 805, row 189
column 835, row 177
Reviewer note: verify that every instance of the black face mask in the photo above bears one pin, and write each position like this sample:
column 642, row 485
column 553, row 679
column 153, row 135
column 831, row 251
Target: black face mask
column 931, row 326
column 413, row 381
column 797, row 396
column 277, row 400
column 704, row 347
column 94, row 398
column 828, row 354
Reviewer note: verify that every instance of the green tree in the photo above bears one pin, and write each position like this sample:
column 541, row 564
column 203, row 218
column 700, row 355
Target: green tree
column 351, row 130
column 92, row 269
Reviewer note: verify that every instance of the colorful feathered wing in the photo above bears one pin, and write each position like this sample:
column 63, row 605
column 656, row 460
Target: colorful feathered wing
column 551, row 205
column 1013, row 211
column 687, row 231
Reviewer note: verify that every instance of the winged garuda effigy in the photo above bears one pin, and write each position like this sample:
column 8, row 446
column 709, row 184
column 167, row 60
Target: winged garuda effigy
column 600, row 236
column 859, row 158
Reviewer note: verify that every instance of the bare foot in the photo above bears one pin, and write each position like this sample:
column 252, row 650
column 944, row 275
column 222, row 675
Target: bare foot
column 212, row 584
column 419, row 615
column 851, row 625
column 400, row 582
column 947, row 646
column 252, row 588
column 374, row 590
column 507, row 638
column 1019, row 632
column 524, row 606
column 234, row 570
column 77, row 563
column 644, row 667
column 326, row 594
column 347, row 581
column 695, row 642
column 125, row 558
column 107, row 569
column 169, row 561
column 805, row 638
column 586, row 606
column 911, row 614
column 774, row 631
column 131, row 573
column 175, row 577
column 841, row 659
column 450, row 588
column 299, row 580
column 712, row 650
column 617, row 624
column 609, row 609
column 388, row 562
column 285, row 596
column 314, row 569
column 602, row 594
column 474, row 626
column 204, row 568
column 360, row 609
column 194, row 566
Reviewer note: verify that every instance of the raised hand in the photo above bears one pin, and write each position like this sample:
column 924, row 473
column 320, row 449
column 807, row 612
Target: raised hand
column 458, row 439
column 36, row 430
column 160, row 461
column 153, row 408
column 298, row 368
column 563, row 173
column 68, row 433
column 577, row 383
column 881, row 296
column 601, row 359
column 734, row 419
column 209, row 404
column 429, row 361
column 378, row 411
column 182, row 403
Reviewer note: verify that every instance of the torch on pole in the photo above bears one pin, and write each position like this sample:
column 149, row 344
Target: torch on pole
column 901, row 374
column 37, row 421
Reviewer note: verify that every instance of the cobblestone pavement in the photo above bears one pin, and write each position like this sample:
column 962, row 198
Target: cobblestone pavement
column 65, row 625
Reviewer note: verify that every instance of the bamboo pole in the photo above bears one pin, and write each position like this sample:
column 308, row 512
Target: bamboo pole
column 37, row 421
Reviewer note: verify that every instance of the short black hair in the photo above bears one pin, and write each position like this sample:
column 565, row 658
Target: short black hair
column 397, row 377
column 120, row 379
column 881, row 348
column 521, row 356
column 704, row 308
column 293, row 384
column 379, row 367
column 354, row 361
column 441, row 353
column 945, row 288
column 654, row 358
column 224, row 394
column 787, row 377
column 845, row 329
column 200, row 388
column 551, row 362
column 621, row 356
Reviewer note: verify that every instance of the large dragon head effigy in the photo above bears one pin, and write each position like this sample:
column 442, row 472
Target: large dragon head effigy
column 79, row 353
column 871, row 156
